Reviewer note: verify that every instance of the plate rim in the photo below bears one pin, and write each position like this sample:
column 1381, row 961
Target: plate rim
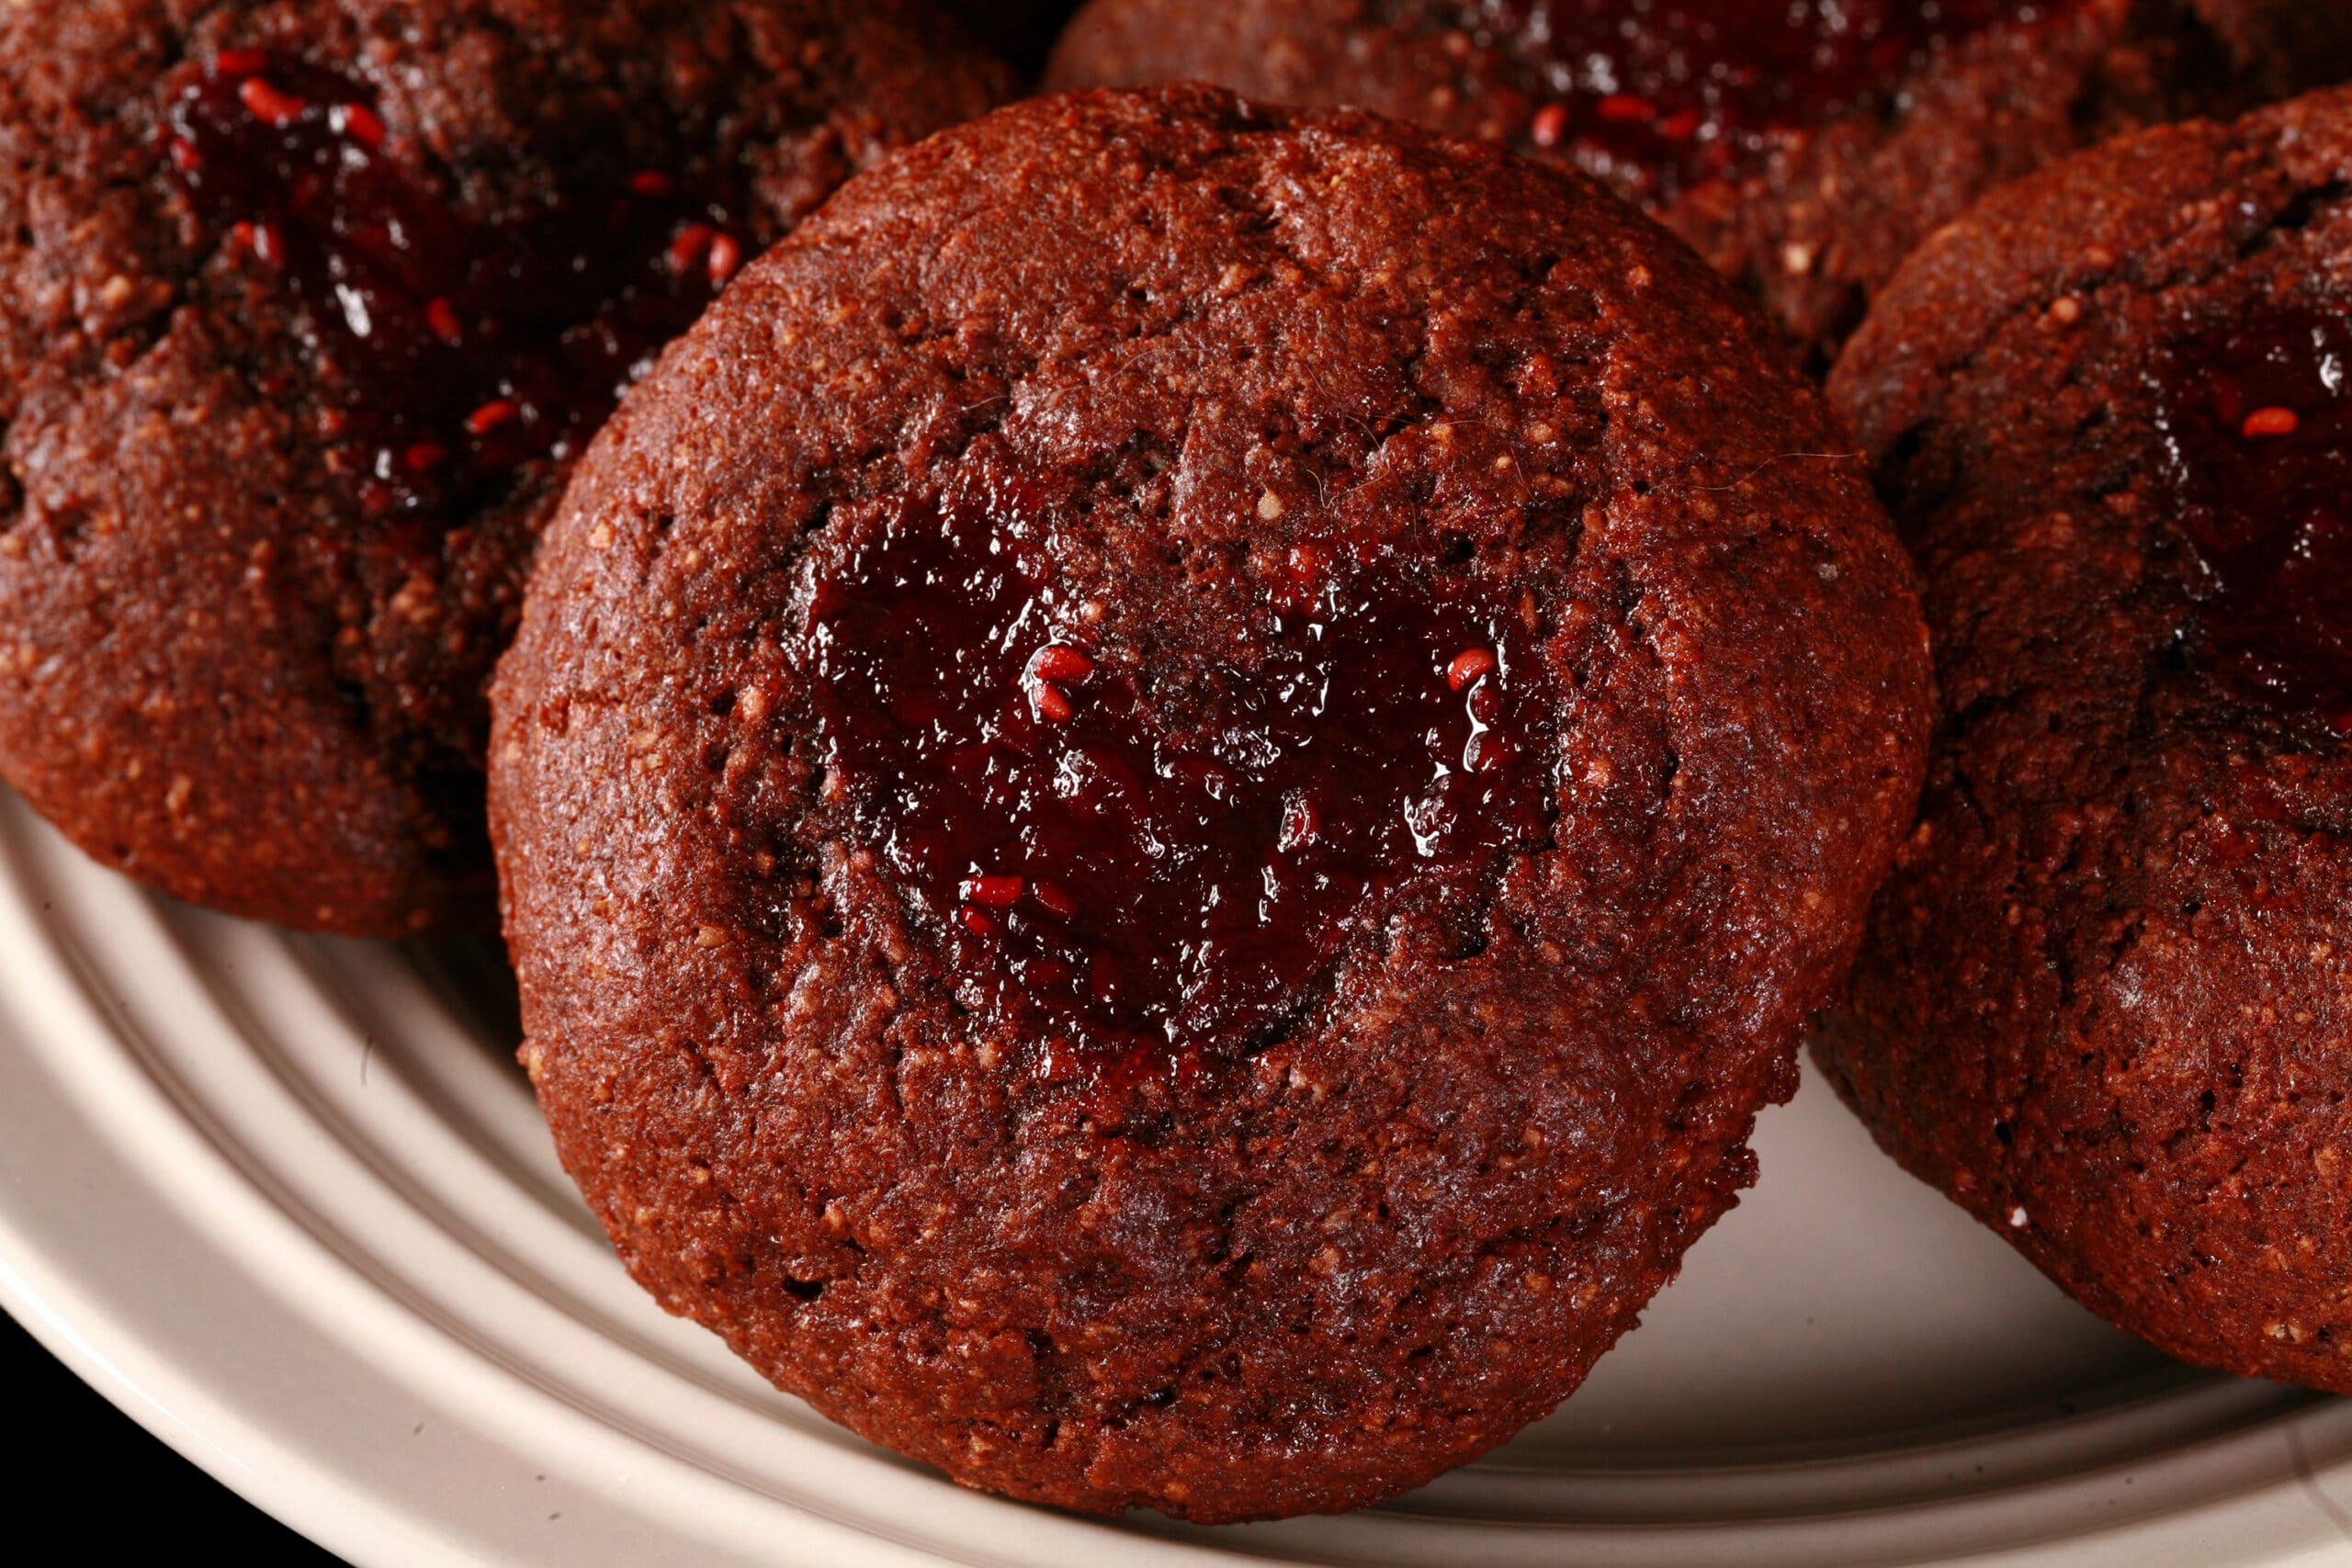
column 372, row 1526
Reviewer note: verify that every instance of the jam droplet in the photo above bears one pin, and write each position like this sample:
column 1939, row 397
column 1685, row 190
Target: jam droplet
column 1664, row 94
column 1140, row 898
column 2256, row 417
column 457, row 349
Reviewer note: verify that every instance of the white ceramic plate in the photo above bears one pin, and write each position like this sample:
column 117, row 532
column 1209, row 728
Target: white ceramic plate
column 287, row 1200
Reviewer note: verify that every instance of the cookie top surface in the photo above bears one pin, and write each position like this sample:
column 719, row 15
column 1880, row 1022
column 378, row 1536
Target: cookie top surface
column 1168, row 799
column 2111, row 411
column 1659, row 99
column 1804, row 148
column 310, row 310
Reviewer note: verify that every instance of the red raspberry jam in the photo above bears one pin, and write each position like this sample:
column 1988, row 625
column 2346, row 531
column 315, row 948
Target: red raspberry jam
column 1669, row 93
column 457, row 349
column 2257, row 428
column 1142, row 889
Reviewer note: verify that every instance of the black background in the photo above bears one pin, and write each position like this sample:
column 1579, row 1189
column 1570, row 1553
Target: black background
column 73, row 1447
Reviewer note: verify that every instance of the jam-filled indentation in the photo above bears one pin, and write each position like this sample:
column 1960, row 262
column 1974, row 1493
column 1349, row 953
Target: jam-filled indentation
column 456, row 348
column 1665, row 94
column 2256, row 420
column 1140, row 893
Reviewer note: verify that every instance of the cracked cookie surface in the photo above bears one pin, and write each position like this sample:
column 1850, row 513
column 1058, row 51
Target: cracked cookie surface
column 2104, row 1001
column 1167, row 801
column 308, row 309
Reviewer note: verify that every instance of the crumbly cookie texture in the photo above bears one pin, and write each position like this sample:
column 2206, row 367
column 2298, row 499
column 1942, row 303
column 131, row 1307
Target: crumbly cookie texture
column 2103, row 1004
column 950, row 618
column 294, row 360
column 1804, row 149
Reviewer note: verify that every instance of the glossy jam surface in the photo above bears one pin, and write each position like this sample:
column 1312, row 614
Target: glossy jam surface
column 461, row 348
column 2257, row 419
column 1668, row 94
column 1164, row 898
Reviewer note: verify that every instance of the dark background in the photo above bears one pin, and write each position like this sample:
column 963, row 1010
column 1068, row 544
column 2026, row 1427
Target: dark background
column 77, row 1446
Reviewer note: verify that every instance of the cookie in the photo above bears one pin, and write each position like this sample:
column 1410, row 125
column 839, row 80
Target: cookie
column 307, row 312
column 2103, row 1004
column 1169, row 798
column 1804, row 148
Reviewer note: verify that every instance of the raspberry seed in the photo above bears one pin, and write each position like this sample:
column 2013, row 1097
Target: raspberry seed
column 1469, row 667
column 269, row 103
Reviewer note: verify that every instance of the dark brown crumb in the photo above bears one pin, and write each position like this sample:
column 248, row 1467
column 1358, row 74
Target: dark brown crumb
column 2103, row 1004
column 1820, row 218
column 222, row 674
column 1180, row 352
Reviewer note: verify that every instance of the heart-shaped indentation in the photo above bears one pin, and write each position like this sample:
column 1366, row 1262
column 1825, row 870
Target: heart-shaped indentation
column 1129, row 891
